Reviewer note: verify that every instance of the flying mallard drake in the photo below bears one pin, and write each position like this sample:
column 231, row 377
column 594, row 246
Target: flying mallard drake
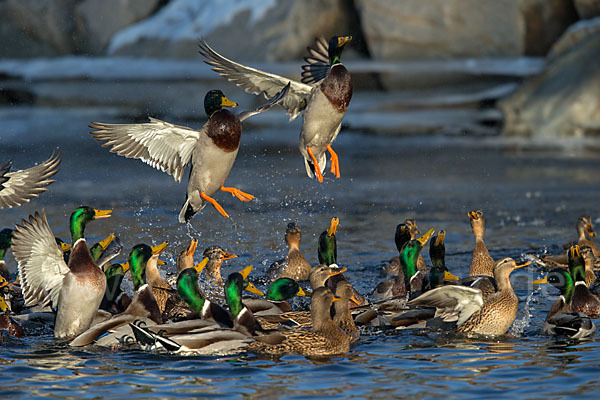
column 210, row 151
column 295, row 265
column 75, row 289
column 324, row 95
column 17, row 188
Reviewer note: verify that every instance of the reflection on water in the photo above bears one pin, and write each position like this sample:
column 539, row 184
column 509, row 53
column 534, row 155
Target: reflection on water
column 531, row 202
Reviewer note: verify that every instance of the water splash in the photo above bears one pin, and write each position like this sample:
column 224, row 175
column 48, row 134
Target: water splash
column 522, row 322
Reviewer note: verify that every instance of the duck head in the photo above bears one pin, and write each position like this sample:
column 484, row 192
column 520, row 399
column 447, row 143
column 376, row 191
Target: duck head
column 576, row 264
column 215, row 100
column 5, row 241
column 187, row 287
column 284, row 289
column 410, row 254
column 81, row 216
column 404, row 232
column 139, row 257
column 336, row 46
column 584, row 227
column 327, row 244
column 477, row 223
column 293, row 235
column 562, row 280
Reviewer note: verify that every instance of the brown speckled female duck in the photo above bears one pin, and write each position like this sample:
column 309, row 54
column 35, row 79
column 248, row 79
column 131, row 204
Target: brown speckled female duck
column 294, row 266
column 465, row 305
column 481, row 262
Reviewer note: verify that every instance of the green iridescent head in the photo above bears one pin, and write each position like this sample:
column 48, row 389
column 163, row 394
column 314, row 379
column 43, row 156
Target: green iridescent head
column 283, row 289
column 234, row 285
column 80, row 217
column 5, row 241
column 437, row 249
column 215, row 100
column 327, row 244
column 187, row 287
column 410, row 254
column 336, row 46
column 562, row 280
column 576, row 264
column 138, row 258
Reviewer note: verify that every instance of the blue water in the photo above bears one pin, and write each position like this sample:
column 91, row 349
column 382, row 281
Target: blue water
column 531, row 197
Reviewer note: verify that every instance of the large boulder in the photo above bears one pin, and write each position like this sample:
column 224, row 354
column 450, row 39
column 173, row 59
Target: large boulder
column 98, row 20
column 34, row 28
column 564, row 100
column 269, row 30
column 588, row 8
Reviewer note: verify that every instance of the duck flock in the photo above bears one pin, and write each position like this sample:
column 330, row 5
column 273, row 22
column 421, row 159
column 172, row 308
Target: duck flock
column 75, row 289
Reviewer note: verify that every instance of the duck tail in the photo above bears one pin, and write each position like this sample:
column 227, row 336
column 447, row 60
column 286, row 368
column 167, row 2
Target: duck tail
column 310, row 168
column 187, row 212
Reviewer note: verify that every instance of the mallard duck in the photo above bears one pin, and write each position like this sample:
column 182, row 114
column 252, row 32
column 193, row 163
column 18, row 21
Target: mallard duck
column 294, row 266
column 215, row 255
column 5, row 243
column 115, row 300
column 409, row 279
column 210, row 151
column 325, row 339
column 75, row 290
column 342, row 316
column 438, row 274
column 6, row 322
column 327, row 253
column 465, row 305
column 276, row 299
column 205, row 339
column 324, row 95
column 585, row 233
column 583, row 300
column 481, row 262
column 17, row 188
column 405, row 231
column 561, row 320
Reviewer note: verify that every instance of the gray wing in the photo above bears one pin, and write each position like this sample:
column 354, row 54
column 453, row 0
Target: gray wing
column 318, row 66
column 453, row 302
column 256, row 81
column 40, row 261
column 160, row 144
column 17, row 188
column 272, row 101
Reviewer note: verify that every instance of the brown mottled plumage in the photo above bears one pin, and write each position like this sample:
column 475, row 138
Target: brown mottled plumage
column 212, row 271
column 481, row 263
column 295, row 265
column 343, row 317
column 325, row 339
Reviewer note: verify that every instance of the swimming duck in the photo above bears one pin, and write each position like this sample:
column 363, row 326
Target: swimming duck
column 583, row 300
column 276, row 299
column 561, row 320
column 481, row 262
column 465, row 305
column 405, row 231
column 409, row 279
column 210, row 151
column 215, row 256
column 438, row 274
column 17, row 188
column 294, row 266
column 324, row 95
column 6, row 322
column 326, row 338
column 327, row 253
column 75, row 290
column 5, row 243
column 342, row 316
column 585, row 233
column 115, row 300
column 206, row 339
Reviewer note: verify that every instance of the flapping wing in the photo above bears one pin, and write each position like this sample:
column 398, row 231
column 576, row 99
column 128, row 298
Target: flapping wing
column 453, row 302
column 256, row 82
column 21, row 186
column 40, row 261
column 160, row 144
column 270, row 103
column 318, row 66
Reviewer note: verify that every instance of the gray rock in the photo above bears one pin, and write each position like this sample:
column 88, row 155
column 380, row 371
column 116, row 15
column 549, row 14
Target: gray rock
column 269, row 30
column 33, row 28
column 562, row 101
column 98, row 20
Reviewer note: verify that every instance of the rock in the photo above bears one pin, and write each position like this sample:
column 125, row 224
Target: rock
column 98, row 20
column 441, row 29
column 269, row 30
column 587, row 8
column 562, row 101
column 33, row 28
column 544, row 22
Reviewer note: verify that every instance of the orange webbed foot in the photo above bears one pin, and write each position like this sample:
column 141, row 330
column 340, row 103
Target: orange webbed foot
column 242, row 196
column 215, row 204
column 316, row 165
column 335, row 163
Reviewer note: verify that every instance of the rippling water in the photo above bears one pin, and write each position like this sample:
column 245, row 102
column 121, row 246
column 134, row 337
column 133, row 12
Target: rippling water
column 531, row 197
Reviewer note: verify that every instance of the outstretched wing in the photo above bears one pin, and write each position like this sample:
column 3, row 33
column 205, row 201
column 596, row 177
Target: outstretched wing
column 272, row 101
column 21, row 186
column 453, row 302
column 256, row 82
column 163, row 145
column 40, row 261
column 318, row 66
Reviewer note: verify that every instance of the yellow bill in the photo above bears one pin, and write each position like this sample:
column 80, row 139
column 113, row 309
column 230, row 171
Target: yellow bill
column 246, row 271
column 99, row 214
column 333, row 225
column 449, row 276
column 225, row 102
column 423, row 239
column 253, row 289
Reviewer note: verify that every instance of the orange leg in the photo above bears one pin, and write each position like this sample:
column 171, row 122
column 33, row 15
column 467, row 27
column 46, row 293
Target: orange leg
column 238, row 193
column 335, row 163
column 215, row 204
column 316, row 164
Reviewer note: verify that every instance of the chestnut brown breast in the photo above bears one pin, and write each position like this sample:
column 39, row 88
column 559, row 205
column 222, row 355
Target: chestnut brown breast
column 337, row 87
column 225, row 130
